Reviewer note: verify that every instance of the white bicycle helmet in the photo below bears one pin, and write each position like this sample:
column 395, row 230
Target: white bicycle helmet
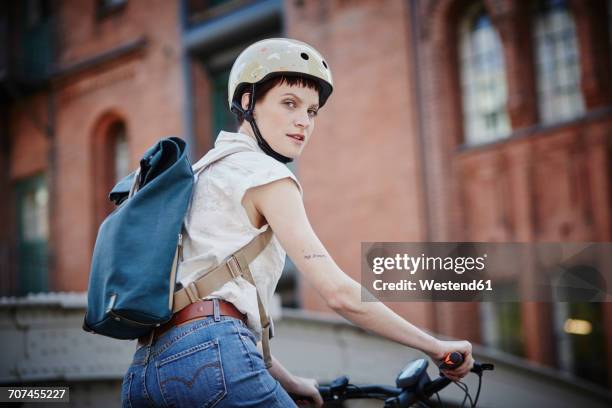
column 266, row 59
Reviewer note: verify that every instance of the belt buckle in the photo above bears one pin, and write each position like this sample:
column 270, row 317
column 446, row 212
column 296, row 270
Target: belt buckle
column 234, row 267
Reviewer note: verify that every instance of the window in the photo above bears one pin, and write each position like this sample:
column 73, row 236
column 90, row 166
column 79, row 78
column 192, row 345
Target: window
column 117, row 162
column 36, row 46
column 501, row 321
column 33, row 227
column 557, row 62
column 581, row 340
column 111, row 163
column 223, row 118
column 121, row 154
column 483, row 79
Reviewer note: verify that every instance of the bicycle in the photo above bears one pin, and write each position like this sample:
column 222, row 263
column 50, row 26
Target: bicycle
column 414, row 387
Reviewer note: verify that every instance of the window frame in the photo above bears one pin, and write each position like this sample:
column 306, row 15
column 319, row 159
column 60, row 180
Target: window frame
column 465, row 37
column 491, row 321
column 31, row 280
column 548, row 112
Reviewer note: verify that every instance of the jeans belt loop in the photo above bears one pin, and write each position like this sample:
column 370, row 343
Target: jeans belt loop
column 216, row 310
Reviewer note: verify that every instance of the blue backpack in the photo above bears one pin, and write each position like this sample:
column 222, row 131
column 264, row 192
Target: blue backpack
column 133, row 269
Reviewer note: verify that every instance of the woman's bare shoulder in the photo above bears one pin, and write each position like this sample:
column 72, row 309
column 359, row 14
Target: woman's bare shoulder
column 280, row 195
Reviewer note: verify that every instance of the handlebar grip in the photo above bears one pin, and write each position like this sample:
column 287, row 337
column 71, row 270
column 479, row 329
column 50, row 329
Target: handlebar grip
column 451, row 360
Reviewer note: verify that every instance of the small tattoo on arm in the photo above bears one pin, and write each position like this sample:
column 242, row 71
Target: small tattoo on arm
column 312, row 256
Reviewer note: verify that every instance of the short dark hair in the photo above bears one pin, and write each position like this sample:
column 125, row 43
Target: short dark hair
column 262, row 89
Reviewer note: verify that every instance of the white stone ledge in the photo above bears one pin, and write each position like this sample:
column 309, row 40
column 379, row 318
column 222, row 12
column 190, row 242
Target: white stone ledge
column 42, row 341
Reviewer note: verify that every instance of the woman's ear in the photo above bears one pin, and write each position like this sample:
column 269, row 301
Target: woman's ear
column 246, row 98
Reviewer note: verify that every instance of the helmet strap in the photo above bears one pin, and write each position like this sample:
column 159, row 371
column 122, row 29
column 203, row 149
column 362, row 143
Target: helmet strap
column 248, row 116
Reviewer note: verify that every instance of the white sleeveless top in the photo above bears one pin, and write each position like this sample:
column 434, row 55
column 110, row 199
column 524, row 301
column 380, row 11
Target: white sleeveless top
column 217, row 224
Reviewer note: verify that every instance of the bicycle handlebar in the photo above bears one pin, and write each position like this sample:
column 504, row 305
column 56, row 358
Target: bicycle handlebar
column 351, row 391
column 340, row 389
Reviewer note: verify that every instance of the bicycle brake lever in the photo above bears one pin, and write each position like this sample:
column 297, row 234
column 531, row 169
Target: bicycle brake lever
column 339, row 384
column 478, row 368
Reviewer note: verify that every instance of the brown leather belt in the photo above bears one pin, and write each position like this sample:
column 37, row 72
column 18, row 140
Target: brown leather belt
column 200, row 309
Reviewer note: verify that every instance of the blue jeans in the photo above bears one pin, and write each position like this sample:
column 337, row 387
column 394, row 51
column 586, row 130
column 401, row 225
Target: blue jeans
column 203, row 363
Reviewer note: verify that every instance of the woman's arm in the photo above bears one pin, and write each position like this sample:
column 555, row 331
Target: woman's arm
column 281, row 205
column 279, row 372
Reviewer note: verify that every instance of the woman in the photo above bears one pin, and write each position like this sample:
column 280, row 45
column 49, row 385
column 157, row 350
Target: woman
column 210, row 354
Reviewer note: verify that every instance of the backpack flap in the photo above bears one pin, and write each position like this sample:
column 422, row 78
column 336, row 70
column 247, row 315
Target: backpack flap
column 120, row 192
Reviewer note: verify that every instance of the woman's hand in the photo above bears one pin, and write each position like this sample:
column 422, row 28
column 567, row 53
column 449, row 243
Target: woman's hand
column 445, row 347
column 307, row 388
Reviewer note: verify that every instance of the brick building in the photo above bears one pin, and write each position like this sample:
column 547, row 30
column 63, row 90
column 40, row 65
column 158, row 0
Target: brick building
column 450, row 120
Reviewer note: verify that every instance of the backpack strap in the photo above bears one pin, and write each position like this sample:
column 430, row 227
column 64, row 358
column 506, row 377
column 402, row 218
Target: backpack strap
column 237, row 265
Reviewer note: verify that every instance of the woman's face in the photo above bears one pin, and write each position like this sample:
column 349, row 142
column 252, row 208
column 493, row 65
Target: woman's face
column 285, row 117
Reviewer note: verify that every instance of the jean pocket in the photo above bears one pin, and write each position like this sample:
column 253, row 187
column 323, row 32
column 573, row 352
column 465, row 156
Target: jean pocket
column 255, row 357
column 126, row 388
column 247, row 334
column 193, row 377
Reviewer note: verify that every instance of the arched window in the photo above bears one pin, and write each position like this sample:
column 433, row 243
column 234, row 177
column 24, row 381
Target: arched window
column 483, row 79
column 120, row 151
column 111, row 162
column 557, row 62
